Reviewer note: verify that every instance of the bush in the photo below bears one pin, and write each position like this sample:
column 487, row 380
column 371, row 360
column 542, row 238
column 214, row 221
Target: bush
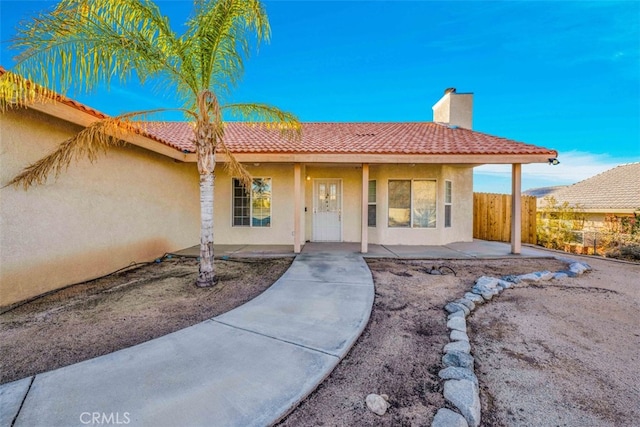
column 629, row 252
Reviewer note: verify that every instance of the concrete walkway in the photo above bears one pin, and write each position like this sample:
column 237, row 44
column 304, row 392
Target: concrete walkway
column 247, row 367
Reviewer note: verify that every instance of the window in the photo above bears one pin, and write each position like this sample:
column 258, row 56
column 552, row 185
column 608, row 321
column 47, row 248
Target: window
column 447, row 204
column 399, row 203
column 372, row 210
column 412, row 203
column 252, row 209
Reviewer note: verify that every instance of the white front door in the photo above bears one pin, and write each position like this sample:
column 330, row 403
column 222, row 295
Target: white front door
column 327, row 210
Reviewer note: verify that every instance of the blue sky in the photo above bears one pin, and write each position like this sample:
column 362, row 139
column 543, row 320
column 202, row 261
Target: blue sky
column 563, row 74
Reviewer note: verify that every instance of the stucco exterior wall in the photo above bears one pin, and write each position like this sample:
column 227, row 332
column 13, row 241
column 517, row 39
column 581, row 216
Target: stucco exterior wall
column 351, row 180
column 282, row 204
column 281, row 230
column 461, row 229
column 130, row 206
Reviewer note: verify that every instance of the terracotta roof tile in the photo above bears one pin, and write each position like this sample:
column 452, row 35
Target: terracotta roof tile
column 336, row 138
column 352, row 138
column 617, row 188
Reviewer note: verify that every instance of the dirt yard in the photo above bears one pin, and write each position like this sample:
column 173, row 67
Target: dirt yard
column 122, row 310
column 558, row 353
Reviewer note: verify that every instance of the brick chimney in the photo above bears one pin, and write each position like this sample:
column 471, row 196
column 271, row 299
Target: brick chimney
column 454, row 109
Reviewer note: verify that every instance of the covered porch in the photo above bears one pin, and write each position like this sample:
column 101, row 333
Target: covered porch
column 477, row 249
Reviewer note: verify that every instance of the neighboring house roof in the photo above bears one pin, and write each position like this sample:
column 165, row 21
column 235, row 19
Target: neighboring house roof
column 352, row 138
column 615, row 190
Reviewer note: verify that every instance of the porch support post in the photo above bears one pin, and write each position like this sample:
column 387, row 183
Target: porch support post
column 364, row 234
column 297, row 206
column 516, row 208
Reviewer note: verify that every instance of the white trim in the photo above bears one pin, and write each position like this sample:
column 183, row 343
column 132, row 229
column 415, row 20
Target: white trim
column 445, row 204
column 251, row 204
column 411, row 203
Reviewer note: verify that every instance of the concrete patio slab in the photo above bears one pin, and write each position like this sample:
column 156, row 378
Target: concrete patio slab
column 458, row 250
column 245, row 251
column 487, row 249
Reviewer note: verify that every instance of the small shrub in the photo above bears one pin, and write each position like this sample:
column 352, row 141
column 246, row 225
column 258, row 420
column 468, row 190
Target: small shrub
column 630, row 252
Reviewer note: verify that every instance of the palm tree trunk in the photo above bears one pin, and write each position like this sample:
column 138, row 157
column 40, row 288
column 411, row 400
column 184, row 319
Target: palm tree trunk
column 206, row 164
column 206, row 274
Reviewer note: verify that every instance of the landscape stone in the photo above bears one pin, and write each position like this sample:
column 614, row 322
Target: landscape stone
column 447, row 418
column 462, row 346
column 458, row 336
column 512, row 278
column 529, row 277
column 486, row 281
column 484, row 288
column 475, row 298
column 545, row 275
column 456, row 373
column 452, row 307
column 487, row 295
column 458, row 358
column 578, row 268
column 569, row 273
column 458, row 313
column 467, row 303
column 505, row 284
column 463, row 395
column 457, row 324
column 377, row 404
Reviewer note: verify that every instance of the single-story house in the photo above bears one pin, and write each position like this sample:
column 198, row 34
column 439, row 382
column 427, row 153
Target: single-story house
column 610, row 193
column 380, row 183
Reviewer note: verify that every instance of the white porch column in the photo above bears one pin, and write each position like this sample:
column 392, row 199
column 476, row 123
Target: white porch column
column 516, row 208
column 297, row 206
column 364, row 234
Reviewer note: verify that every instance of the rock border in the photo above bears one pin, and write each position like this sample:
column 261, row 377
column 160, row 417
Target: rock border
column 460, row 382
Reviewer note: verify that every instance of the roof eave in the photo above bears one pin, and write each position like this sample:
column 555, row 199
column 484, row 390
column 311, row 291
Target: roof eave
column 471, row 159
column 82, row 118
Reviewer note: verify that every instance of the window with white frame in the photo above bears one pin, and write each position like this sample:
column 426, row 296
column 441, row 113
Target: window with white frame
column 447, row 204
column 372, row 208
column 412, row 203
column 252, row 209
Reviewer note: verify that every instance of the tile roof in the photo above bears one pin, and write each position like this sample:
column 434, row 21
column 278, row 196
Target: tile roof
column 337, row 138
column 70, row 102
column 351, row 138
column 617, row 188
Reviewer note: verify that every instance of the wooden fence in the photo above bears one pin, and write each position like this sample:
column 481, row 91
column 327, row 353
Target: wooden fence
column 492, row 217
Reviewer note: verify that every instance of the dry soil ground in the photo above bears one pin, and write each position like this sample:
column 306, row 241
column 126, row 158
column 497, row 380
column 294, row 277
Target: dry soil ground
column 121, row 310
column 559, row 353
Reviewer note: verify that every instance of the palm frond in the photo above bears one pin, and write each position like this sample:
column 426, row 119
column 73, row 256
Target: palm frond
column 266, row 116
column 82, row 43
column 234, row 167
column 90, row 143
column 219, row 37
column 16, row 91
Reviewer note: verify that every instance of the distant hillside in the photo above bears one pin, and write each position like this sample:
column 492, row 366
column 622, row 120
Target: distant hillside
column 543, row 192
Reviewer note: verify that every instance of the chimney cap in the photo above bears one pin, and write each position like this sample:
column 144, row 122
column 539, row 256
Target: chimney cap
column 450, row 90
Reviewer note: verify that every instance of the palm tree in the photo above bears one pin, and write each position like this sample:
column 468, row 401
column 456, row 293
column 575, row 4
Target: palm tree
column 82, row 43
